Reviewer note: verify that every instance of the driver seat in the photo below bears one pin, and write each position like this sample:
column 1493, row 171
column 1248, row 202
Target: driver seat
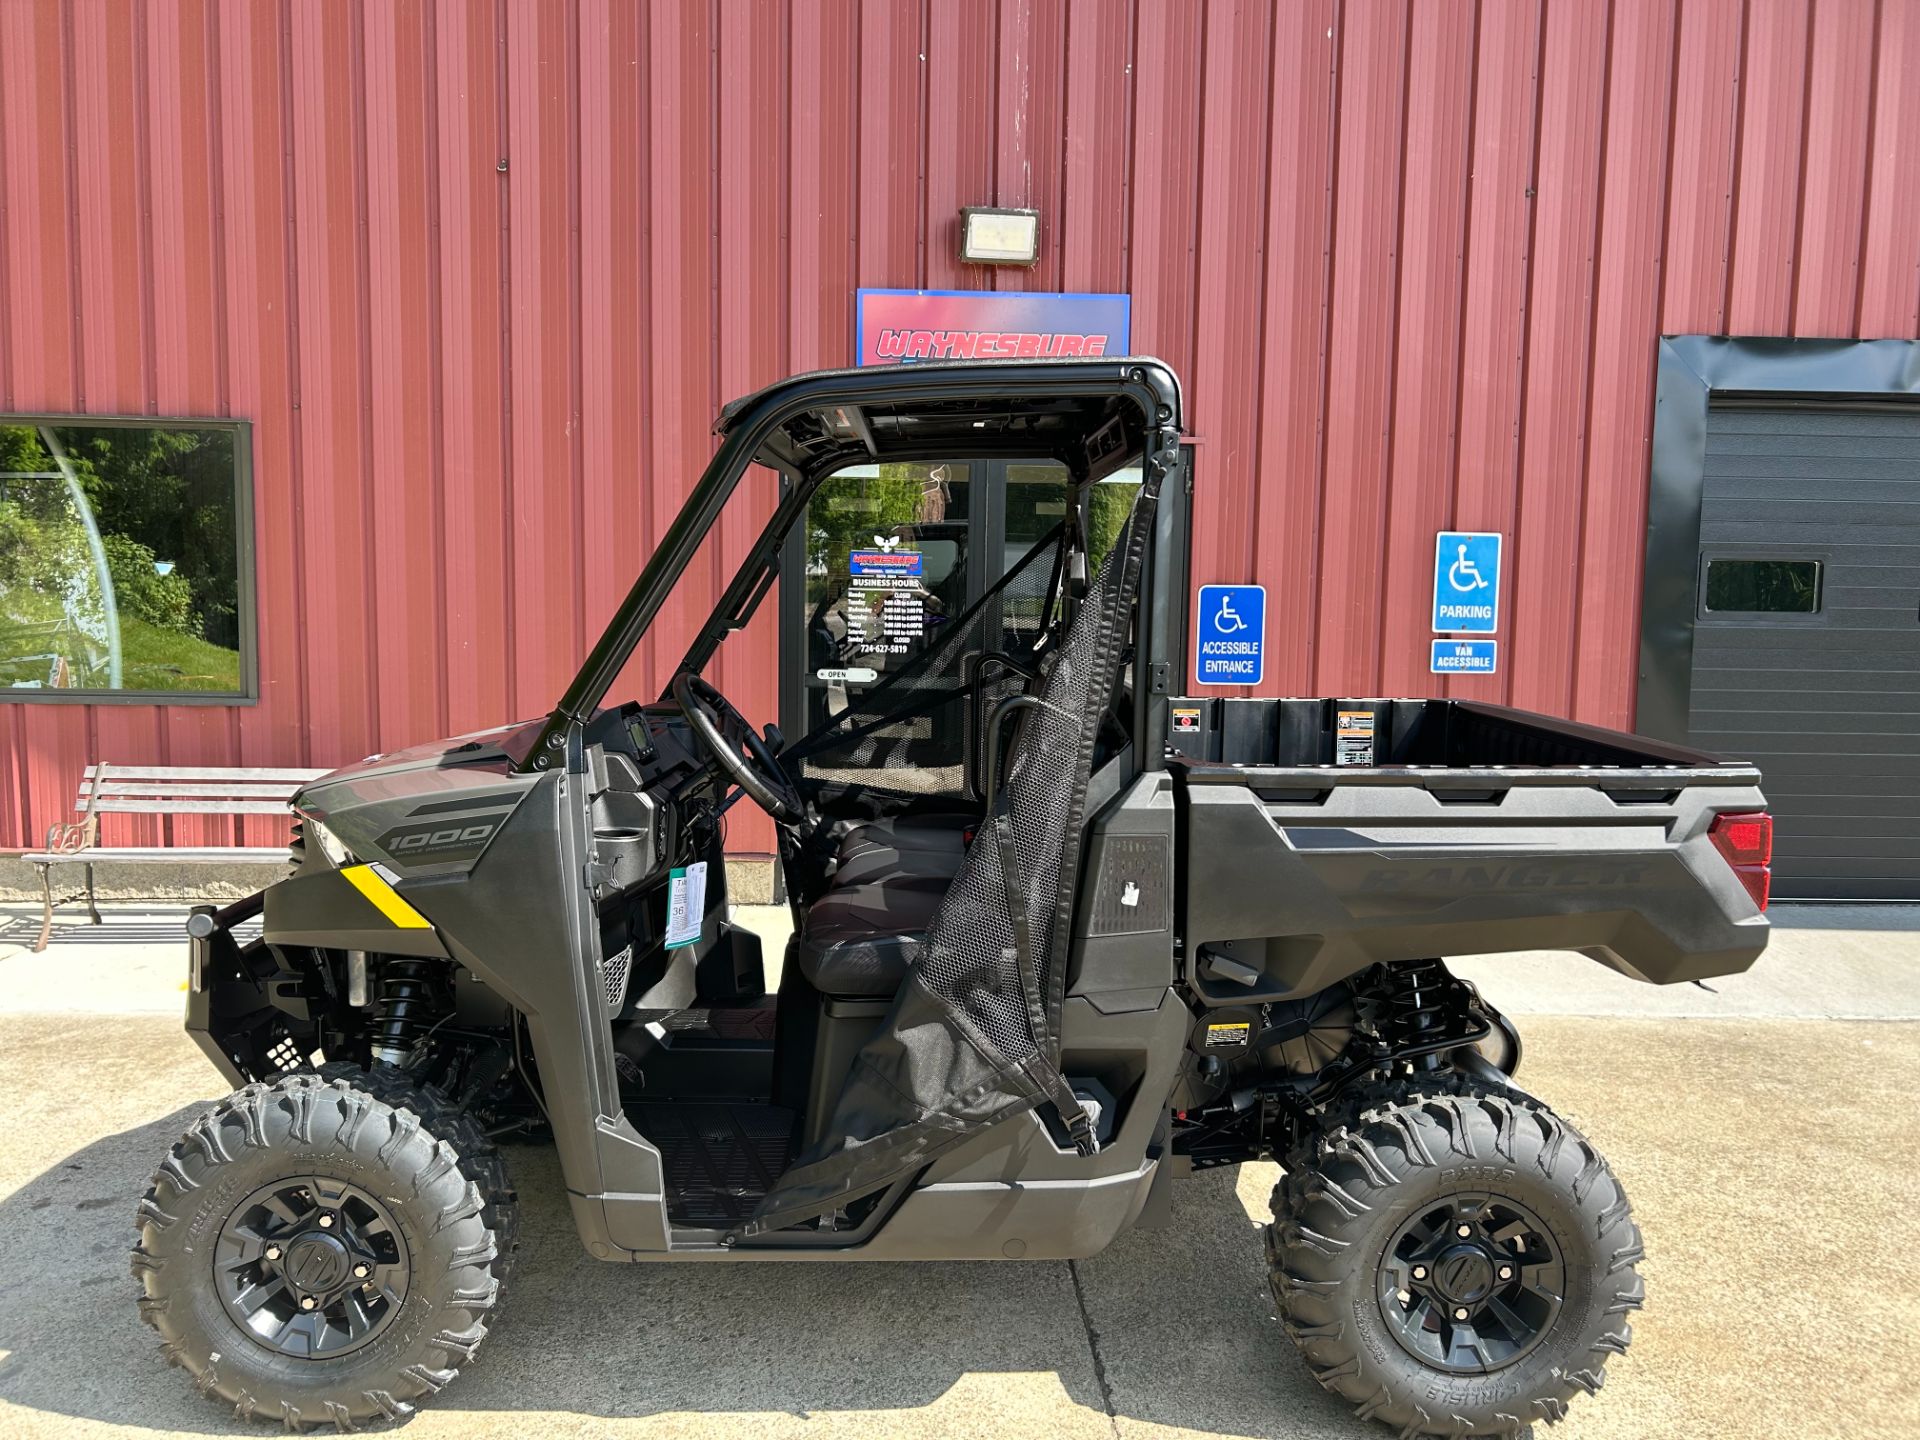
column 862, row 936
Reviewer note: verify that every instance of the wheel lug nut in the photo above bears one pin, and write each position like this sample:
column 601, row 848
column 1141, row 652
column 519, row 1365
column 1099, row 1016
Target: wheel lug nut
column 360, row 1272
column 1462, row 1230
column 1506, row 1272
column 1419, row 1272
column 1459, row 1312
column 326, row 1223
column 1405, row 1297
column 307, row 1302
column 273, row 1252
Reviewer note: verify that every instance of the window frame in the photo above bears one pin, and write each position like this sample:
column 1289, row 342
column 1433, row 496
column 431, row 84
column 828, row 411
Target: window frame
column 246, row 598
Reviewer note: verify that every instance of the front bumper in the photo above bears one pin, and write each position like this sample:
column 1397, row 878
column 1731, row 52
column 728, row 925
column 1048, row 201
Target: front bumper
column 230, row 1010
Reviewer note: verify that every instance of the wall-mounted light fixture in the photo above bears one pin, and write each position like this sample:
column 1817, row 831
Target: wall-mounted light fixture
column 990, row 236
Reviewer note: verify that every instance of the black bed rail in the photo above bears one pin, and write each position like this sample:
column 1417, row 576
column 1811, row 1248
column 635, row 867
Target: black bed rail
column 1352, row 737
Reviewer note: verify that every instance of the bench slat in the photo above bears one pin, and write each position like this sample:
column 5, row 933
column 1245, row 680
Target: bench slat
column 204, row 772
column 193, row 854
column 208, row 789
column 109, row 805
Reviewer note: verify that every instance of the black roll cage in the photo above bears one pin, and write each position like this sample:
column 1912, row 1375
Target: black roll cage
column 752, row 432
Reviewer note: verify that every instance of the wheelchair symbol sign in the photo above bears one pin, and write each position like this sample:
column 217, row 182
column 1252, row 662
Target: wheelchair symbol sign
column 1466, row 582
column 1233, row 635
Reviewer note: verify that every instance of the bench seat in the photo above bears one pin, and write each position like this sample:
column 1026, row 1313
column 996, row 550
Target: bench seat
column 162, row 790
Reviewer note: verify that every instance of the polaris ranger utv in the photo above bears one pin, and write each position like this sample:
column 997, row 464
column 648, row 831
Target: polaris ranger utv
column 1060, row 936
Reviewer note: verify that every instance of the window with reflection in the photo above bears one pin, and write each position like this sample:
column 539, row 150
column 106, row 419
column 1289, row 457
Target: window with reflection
column 121, row 555
column 1763, row 587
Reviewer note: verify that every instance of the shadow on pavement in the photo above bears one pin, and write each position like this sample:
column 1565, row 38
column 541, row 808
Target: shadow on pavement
column 1171, row 1327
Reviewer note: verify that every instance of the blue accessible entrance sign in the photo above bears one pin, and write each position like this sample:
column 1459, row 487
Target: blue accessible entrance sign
column 1233, row 635
column 1465, row 657
column 1466, row 583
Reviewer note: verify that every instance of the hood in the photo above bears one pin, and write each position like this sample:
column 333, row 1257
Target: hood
column 429, row 809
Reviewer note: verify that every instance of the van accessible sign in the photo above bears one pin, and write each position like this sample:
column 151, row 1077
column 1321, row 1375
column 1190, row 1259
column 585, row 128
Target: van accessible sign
column 898, row 327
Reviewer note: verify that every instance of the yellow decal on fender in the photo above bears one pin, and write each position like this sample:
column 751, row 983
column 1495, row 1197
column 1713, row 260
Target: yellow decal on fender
column 372, row 884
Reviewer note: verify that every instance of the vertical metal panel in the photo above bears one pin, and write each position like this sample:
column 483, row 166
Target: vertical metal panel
column 1634, row 200
column 1543, row 560
column 478, row 274
column 44, row 350
column 1493, row 352
column 752, row 102
column 250, row 174
column 321, row 64
column 1231, row 217
column 188, row 346
column 1284, row 511
column 115, row 305
column 1099, row 107
column 1029, row 131
column 540, row 195
column 615, row 358
column 403, row 375
column 1167, row 160
column 1839, row 109
column 960, row 75
column 1360, row 368
column 470, row 117
column 1773, row 92
column 1700, row 164
column 1431, row 279
column 683, row 279
column 1890, row 254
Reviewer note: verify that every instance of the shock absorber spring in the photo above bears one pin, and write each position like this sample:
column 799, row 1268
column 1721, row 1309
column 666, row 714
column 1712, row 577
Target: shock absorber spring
column 403, row 1008
column 1417, row 1000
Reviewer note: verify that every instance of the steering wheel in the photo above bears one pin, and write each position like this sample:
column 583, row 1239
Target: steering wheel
column 745, row 756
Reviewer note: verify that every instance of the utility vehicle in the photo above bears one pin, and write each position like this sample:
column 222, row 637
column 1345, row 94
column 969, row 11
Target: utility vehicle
column 1061, row 934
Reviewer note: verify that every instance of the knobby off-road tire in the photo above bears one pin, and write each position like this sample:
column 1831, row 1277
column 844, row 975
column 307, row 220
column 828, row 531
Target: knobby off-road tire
column 425, row 1183
column 1349, row 1212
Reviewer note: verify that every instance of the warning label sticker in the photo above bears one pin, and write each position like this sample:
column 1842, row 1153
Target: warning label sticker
column 1186, row 719
column 1229, row 1036
column 1353, row 738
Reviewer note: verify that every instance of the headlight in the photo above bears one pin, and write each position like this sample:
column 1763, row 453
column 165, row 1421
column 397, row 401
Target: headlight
column 330, row 846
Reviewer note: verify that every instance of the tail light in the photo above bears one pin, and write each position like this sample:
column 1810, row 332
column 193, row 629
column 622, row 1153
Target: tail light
column 1745, row 841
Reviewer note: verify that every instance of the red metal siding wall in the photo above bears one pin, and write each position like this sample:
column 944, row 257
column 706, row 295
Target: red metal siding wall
column 480, row 273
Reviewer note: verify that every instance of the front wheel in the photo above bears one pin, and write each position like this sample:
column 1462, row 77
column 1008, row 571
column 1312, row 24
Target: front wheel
column 1454, row 1264
column 325, row 1249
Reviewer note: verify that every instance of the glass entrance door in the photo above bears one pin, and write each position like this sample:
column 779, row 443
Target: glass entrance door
column 888, row 558
column 889, row 561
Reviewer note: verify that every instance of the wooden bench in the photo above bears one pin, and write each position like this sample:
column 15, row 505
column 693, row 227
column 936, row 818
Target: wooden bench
column 160, row 790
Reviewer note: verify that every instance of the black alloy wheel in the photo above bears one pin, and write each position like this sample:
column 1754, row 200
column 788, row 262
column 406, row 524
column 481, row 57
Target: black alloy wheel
column 312, row 1267
column 1471, row 1284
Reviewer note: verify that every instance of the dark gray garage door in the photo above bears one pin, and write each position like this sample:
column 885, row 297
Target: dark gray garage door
column 1806, row 655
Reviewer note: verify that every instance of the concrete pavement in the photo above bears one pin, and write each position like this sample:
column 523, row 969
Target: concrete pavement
column 1770, row 1152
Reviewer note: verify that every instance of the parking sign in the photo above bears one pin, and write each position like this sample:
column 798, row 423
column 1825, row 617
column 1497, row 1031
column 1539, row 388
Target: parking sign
column 1466, row 582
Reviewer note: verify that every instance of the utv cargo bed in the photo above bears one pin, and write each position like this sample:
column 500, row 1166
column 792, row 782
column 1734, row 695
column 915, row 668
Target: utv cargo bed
column 1326, row 835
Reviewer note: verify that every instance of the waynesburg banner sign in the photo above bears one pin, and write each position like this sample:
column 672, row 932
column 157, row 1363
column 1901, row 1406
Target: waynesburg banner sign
column 899, row 326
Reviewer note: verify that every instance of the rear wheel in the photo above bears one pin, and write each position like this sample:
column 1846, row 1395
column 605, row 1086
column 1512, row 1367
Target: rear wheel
column 325, row 1249
column 1454, row 1264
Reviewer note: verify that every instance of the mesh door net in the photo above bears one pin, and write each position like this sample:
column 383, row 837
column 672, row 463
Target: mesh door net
column 973, row 1035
